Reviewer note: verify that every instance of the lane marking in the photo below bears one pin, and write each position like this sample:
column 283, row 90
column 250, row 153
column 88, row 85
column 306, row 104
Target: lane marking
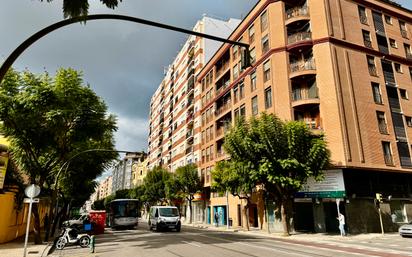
column 190, row 243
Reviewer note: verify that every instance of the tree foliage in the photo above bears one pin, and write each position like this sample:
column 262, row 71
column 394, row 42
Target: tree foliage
column 155, row 185
column 186, row 182
column 47, row 121
column 279, row 155
column 78, row 8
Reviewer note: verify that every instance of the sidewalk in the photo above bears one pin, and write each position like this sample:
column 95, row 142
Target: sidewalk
column 317, row 237
column 15, row 248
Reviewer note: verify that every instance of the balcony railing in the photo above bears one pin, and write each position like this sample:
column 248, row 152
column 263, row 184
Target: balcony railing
column 363, row 19
column 223, row 68
column 383, row 128
column 304, row 94
column 404, row 33
column 299, row 11
column 225, row 85
column 368, row 43
column 388, row 159
column 223, row 108
column 300, row 36
column 372, row 70
column 308, row 64
column 408, row 55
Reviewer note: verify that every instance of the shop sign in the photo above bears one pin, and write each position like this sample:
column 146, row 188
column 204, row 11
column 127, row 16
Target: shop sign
column 198, row 197
column 332, row 186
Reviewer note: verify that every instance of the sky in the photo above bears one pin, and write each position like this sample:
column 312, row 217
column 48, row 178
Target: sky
column 123, row 62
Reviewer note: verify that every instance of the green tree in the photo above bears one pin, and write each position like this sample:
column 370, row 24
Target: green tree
column 47, row 121
column 237, row 178
column 76, row 8
column 155, row 185
column 280, row 155
column 188, row 183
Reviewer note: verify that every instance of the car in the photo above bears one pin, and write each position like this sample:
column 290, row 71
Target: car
column 77, row 220
column 406, row 230
column 164, row 217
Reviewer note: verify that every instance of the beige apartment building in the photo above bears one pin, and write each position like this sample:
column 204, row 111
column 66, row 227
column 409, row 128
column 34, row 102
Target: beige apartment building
column 105, row 188
column 174, row 138
column 139, row 171
column 344, row 67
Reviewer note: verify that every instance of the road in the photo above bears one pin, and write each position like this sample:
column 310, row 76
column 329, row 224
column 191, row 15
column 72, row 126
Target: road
column 201, row 242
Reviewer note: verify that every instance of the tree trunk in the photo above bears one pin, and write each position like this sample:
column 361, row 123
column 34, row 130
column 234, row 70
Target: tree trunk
column 286, row 215
column 51, row 215
column 245, row 215
column 36, row 222
column 190, row 210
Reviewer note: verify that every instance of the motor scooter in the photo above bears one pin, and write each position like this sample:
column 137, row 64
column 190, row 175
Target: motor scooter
column 71, row 235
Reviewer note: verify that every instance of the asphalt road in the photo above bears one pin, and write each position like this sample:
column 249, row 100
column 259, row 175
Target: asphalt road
column 201, row 242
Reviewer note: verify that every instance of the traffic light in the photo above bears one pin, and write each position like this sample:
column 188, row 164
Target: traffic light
column 379, row 197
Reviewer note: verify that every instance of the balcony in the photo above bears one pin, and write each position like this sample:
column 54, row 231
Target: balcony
column 388, row 159
column 296, row 13
column 305, row 96
column 383, row 128
column 372, row 70
column 302, row 67
column 404, row 33
column 222, row 69
column 368, row 43
column 223, row 109
column 299, row 37
column 409, row 55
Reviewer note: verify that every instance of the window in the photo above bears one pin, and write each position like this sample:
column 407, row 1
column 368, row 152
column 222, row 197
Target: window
column 408, row 51
column 268, row 97
column 235, row 51
column 387, row 153
column 362, row 15
column 235, row 94
column 398, row 67
column 251, row 34
column 264, row 21
column 241, row 90
column 383, row 128
column 371, row 65
column 392, row 42
column 266, row 71
column 253, row 56
column 242, row 110
column 235, row 72
column 253, row 81
column 402, row 27
column 408, row 120
column 367, row 38
column 410, row 72
column 377, row 96
column 388, row 19
column 255, row 106
column 265, row 44
column 403, row 93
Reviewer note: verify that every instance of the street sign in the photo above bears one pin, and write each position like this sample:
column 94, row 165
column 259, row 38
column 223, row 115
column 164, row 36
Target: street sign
column 332, row 186
column 32, row 191
column 32, row 200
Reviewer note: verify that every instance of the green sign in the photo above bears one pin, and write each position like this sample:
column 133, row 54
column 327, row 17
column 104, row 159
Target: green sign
column 332, row 186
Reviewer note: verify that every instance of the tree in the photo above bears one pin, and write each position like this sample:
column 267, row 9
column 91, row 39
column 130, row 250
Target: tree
column 155, row 185
column 76, row 8
column 188, row 183
column 235, row 177
column 47, row 121
column 280, row 155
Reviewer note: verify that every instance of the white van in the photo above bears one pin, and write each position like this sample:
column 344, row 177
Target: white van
column 164, row 217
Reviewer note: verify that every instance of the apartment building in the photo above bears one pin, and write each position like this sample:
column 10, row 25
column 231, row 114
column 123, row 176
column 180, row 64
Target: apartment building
column 139, row 171
column 344, row 67
column 174, row 138
column 105, row 187
column 122, row 172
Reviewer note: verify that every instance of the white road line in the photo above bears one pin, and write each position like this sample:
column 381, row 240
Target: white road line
column 191, row 243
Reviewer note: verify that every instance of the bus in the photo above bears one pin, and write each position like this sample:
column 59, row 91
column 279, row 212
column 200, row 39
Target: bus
column 124, row 213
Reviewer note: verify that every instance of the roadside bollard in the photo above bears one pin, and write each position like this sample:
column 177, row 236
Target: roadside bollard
column 92, row 242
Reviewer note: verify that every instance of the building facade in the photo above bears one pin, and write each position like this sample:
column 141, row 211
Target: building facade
column 105, row 187
column 139, row 171
column 122, row 172
column 174, row 136
column 344, row 68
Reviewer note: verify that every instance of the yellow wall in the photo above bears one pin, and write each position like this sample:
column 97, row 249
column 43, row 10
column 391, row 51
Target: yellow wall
column 12, row 222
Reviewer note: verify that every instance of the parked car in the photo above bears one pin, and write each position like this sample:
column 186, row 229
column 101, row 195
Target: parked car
column 406, row 230
column 77, row 220
column 164, row 217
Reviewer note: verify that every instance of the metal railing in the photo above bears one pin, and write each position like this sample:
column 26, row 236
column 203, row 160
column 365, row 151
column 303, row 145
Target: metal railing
column 299, row 11
column 383, row 128
column 363, row 19
column 368, row 43
column 308, row 64
column 372, row 70
column 304, row 94
column 300, row 36
column 388, row 159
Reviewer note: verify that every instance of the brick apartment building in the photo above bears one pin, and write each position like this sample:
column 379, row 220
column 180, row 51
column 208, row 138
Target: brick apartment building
column 344, row 67
column 174, row 138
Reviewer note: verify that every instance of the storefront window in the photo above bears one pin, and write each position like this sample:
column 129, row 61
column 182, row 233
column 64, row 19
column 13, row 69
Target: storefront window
column 398, row 212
